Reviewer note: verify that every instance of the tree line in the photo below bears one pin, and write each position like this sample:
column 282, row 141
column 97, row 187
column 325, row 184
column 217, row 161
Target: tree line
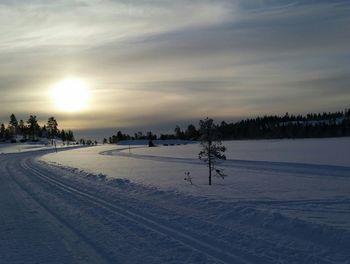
column 335, row 124
column 313, row 125
column 31, row 130
column 191, row 133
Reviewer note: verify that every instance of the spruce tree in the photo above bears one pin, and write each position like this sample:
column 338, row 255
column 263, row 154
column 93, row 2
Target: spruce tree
column 13, row 125
column 32, row 125
column 52, row 128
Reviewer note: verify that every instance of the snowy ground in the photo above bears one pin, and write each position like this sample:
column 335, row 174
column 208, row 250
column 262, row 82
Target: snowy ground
column 327, row 151
column 308, row 179
column 6, row 148
column 283, row 201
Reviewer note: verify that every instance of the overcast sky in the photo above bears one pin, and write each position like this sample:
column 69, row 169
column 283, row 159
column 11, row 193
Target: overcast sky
column 154, row 64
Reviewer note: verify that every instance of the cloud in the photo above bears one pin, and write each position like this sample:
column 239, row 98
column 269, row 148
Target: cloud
column 92, row 23
column 155, row 62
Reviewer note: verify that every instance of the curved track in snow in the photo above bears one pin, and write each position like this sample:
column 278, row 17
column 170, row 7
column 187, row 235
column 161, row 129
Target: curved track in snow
column 266, row 166
column 52, row 215
column 41, row 186
column 31, row 230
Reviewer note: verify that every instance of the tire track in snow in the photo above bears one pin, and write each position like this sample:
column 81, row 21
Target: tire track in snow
column 186, row 239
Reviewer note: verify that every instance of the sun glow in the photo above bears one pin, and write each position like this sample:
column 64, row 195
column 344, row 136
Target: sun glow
column 70, row 95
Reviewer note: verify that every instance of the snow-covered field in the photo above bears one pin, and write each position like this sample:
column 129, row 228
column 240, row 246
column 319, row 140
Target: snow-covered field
column 283, row 201
column 328, row 151
column 299, row 178
column 6, row 148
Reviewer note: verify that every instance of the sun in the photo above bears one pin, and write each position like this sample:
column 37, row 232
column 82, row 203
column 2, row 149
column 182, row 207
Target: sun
column 70, row 95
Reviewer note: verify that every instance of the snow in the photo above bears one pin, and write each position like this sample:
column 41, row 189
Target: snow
column 6, row 148
column 326, row 151
column 283, row 201
column 158, row 142
column 298, row 178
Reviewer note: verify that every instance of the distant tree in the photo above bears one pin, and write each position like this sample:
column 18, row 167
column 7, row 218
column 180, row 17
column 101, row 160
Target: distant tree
column 212, row 148
column 2, row 131
column 119, row 136
column 52, row 128
column 105, row 141
column 167, row 136
column 13, row 125
column 70, row 136
column 191, row 132
column 63, row 135
column 32, row 125
column 139, row 135
column 44, row 132
column 151, row 136
column 89, row 142
column 21, row 127
column 179, row 134
column 7, row 134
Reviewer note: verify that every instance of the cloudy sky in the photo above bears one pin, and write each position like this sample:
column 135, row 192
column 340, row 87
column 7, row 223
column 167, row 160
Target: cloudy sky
column 158, row 63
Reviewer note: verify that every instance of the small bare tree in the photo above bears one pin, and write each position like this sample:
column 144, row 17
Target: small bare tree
column 212, row 149
column 188, row 177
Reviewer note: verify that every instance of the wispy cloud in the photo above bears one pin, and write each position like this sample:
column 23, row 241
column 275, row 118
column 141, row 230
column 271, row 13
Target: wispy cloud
column 178, row 59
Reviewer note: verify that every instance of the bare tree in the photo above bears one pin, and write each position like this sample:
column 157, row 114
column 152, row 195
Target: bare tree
column 188, row 177
column 212, row 148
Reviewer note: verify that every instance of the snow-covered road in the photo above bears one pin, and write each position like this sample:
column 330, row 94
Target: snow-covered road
column 54, row 215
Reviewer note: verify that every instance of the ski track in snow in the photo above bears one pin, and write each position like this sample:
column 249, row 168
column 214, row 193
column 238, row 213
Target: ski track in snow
column 299, row 169
column 51, row 214
column 333, row 210
column 140, row 219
